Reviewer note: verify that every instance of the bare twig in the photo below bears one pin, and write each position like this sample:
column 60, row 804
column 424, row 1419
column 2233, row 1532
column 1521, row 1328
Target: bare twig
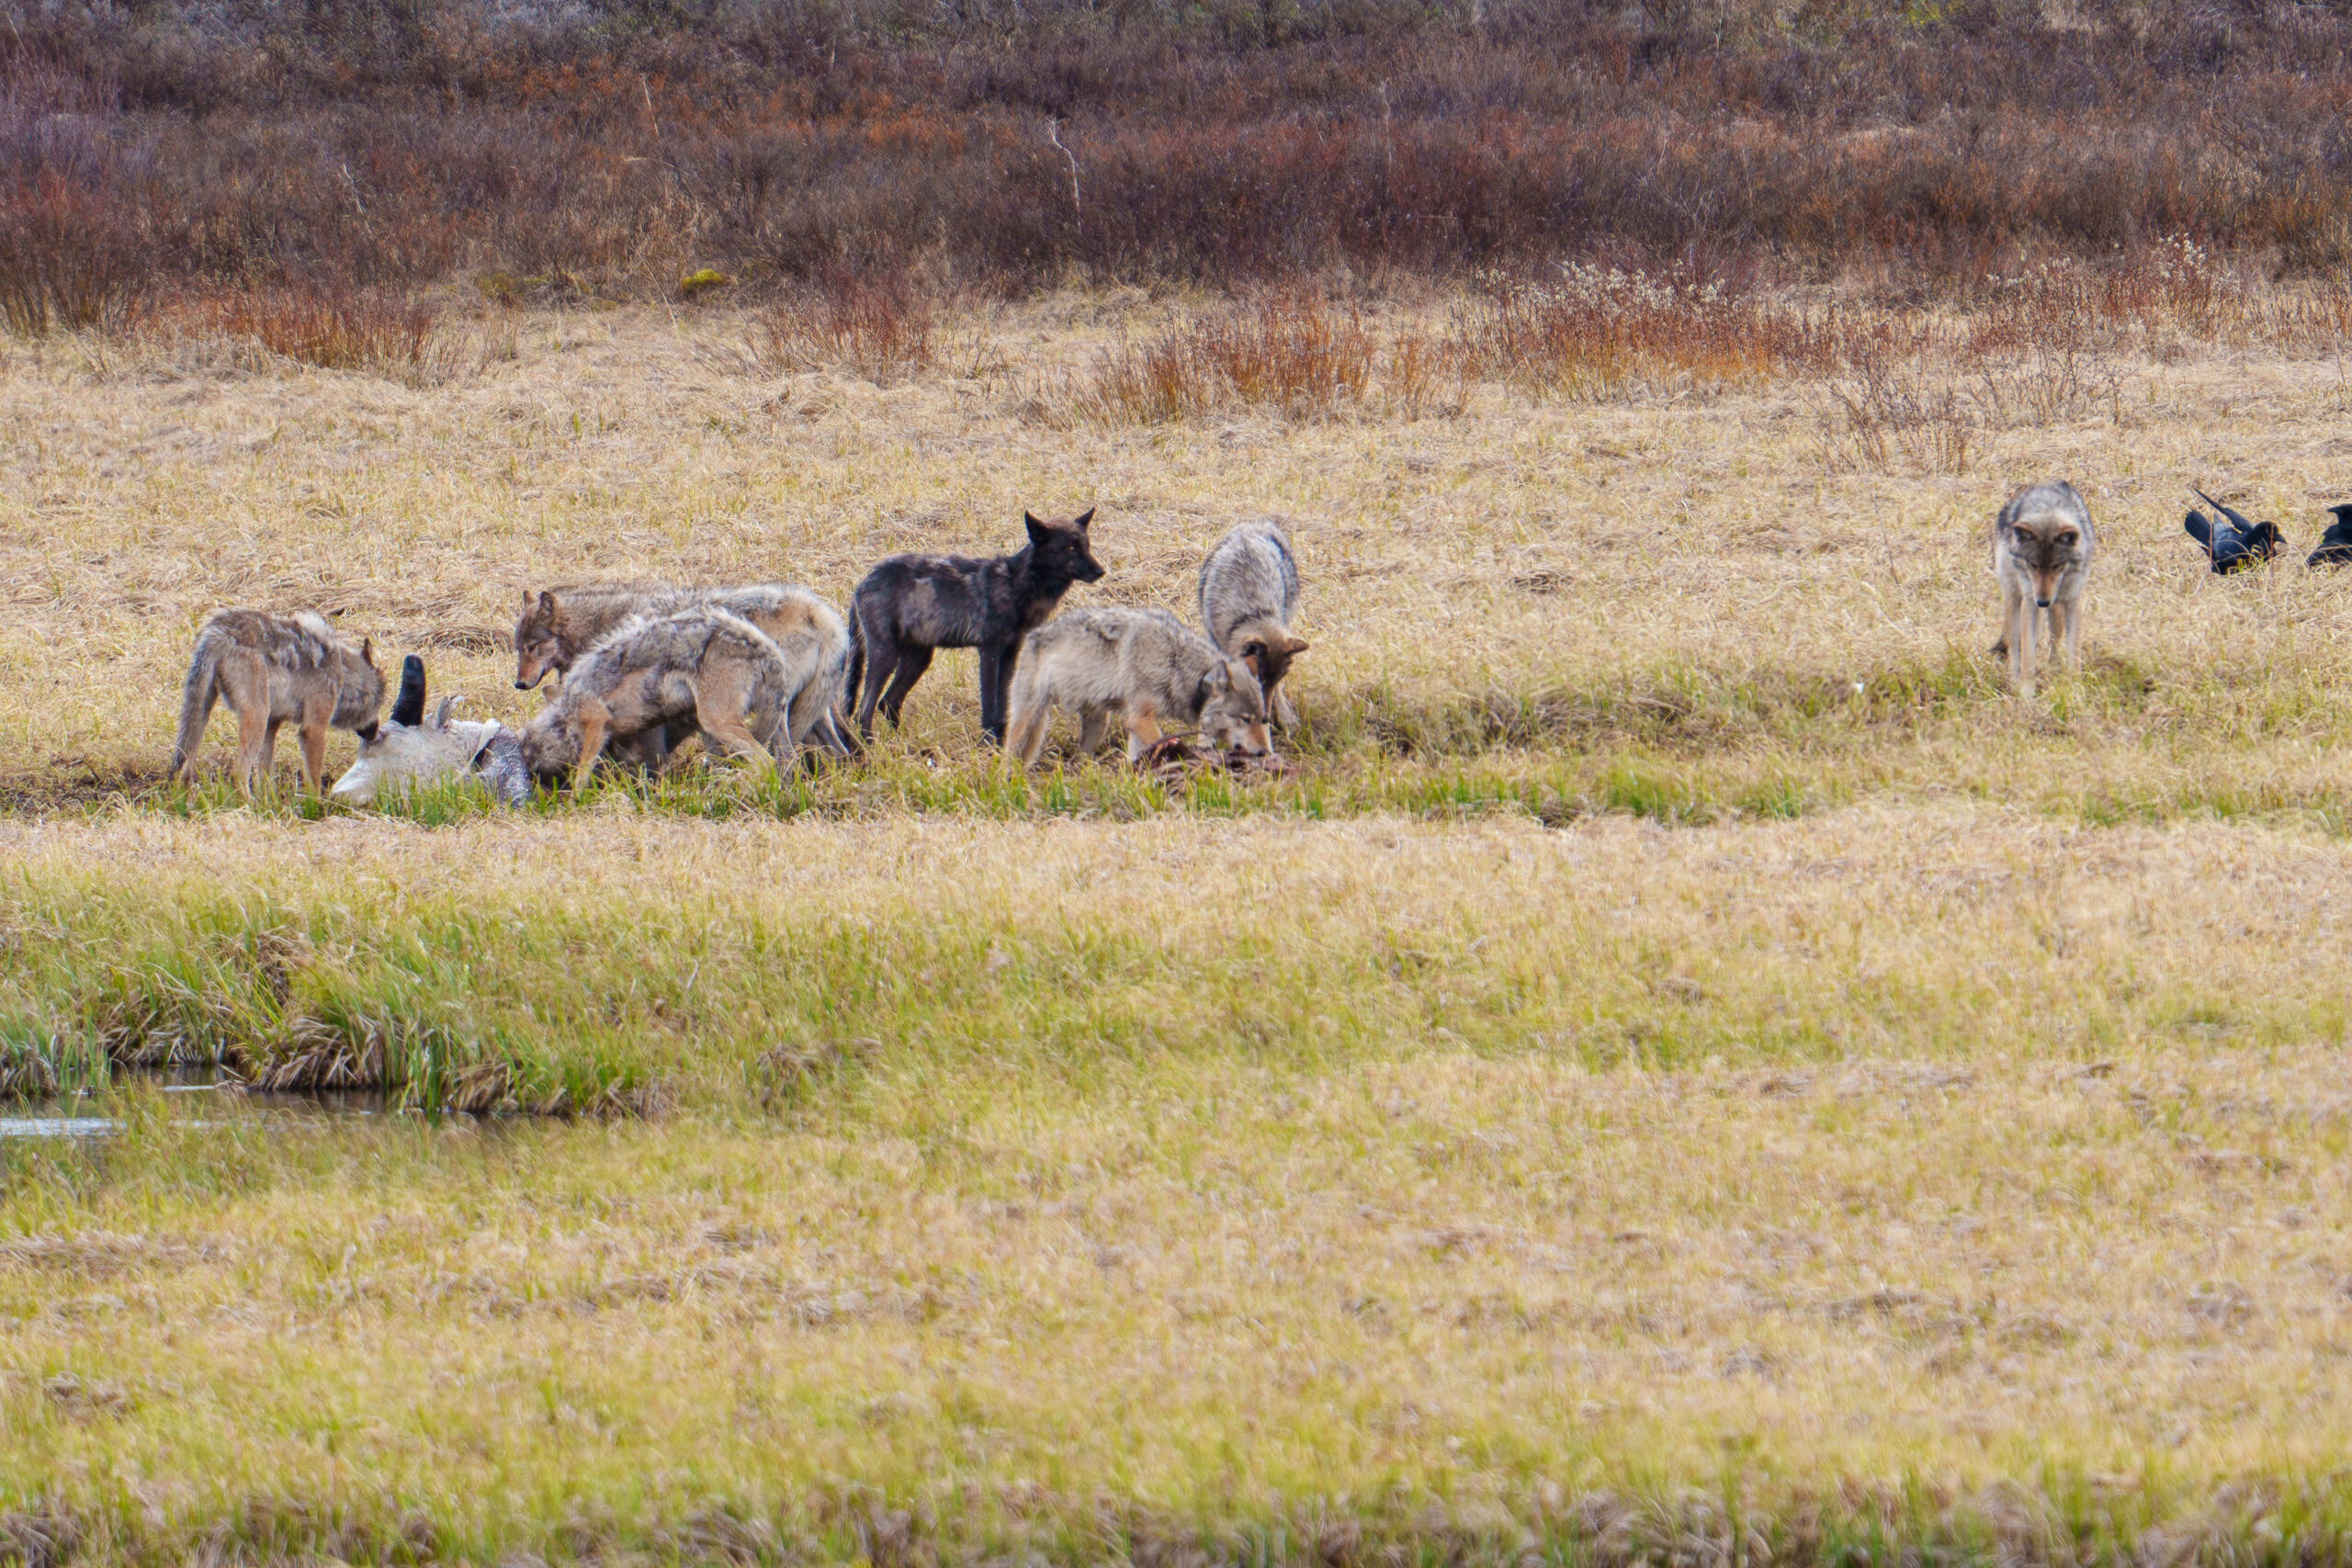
column 1053, row 135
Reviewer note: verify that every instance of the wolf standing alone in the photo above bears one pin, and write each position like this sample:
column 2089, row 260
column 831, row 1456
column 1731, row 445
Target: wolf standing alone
column 2041, row 553
column 273, row 671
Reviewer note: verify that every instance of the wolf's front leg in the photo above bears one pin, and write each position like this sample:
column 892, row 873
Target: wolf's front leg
column 2068, row 613
column 2016, row 635
column 996, row 683
column 593, row 723
column 313, row 735
column 1143, row 731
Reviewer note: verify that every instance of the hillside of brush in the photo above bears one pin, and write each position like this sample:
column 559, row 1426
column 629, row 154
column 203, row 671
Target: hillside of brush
column 614, row 148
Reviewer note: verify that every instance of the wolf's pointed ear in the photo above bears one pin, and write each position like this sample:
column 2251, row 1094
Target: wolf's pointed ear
column 1296, row 646
column 368, row 650
column 440, row 719
column 547, row 600
column 1038, row 532
column 1082, row 519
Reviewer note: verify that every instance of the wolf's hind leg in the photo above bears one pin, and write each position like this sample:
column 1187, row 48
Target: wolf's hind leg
column 723, row 709
column 911, row 663
column 1092, row 725
column 1025, row 737
column 881, row 664
column 256, row 747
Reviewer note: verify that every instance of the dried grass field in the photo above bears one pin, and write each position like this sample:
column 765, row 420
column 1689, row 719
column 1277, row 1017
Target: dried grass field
column 1684, row 1067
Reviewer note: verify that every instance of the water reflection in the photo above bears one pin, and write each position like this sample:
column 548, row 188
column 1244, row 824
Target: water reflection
column 197, row 1097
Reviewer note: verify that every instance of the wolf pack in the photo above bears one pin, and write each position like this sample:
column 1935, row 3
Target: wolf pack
column 765, row 673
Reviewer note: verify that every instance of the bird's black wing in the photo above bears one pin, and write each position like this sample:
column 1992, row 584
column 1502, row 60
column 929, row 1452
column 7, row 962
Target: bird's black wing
column 2199, row 529
column 2237, row 519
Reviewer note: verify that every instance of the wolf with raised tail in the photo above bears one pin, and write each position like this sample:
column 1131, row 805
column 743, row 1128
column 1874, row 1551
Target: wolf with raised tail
column 2041, row 554
column 274, row 670
column 1146, row 667
column 1249, row 597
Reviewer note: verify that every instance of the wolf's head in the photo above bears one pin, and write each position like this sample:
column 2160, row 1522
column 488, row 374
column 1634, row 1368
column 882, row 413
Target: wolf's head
column 538, row 639
column 359, row 690
column 1233, row 716
column 550, row 746
column 2046, row 546
column 1061, row 548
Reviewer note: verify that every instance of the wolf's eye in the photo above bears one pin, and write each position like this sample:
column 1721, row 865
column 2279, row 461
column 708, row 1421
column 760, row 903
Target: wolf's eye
column 2068, row 539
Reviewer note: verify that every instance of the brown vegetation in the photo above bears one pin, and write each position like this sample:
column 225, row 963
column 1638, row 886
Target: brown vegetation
column 621, row 147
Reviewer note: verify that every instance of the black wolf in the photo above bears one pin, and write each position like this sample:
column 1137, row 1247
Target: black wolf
column 912, row 605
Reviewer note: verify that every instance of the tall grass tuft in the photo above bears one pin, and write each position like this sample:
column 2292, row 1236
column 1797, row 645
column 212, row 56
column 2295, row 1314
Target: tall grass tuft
column 880, row 329
column 1287, row 352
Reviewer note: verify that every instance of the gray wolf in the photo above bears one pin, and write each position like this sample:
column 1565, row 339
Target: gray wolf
column 2231, row 542
column 410, row 749
column 2041, row 554
column 273, row 671
column 703, row 665
column 909, row 606
column 2335, row 545
column 1248, row 593
column 1144, row 665
column 560, row 624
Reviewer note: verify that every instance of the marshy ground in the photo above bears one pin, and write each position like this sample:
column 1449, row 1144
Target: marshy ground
column 1684, row 1060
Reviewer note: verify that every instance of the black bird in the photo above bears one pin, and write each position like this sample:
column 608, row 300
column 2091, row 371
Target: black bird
column 2232, row 542
column 2335, row 545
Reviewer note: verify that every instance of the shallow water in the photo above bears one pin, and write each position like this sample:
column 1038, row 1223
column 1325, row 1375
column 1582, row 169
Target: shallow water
column 196, row 1097
column 55, row 1126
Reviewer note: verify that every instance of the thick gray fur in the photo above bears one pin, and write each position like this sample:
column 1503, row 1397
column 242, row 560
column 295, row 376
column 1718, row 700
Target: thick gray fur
column 2043, row 545
column 1248, row 593
column 1144, row 665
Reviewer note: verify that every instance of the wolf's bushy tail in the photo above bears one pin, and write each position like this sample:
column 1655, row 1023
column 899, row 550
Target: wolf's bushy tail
column 855, row 680
column 196, row 698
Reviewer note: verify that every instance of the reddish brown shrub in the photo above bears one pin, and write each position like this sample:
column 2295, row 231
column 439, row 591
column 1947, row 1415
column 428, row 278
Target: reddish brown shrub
column 794, row 142
column 1288, row 352
column 881, row 328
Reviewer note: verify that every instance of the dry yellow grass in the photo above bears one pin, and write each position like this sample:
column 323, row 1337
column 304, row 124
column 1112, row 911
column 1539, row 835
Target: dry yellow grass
column 2030, row 1231
column 1694, row 557
column 1955, row 1167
